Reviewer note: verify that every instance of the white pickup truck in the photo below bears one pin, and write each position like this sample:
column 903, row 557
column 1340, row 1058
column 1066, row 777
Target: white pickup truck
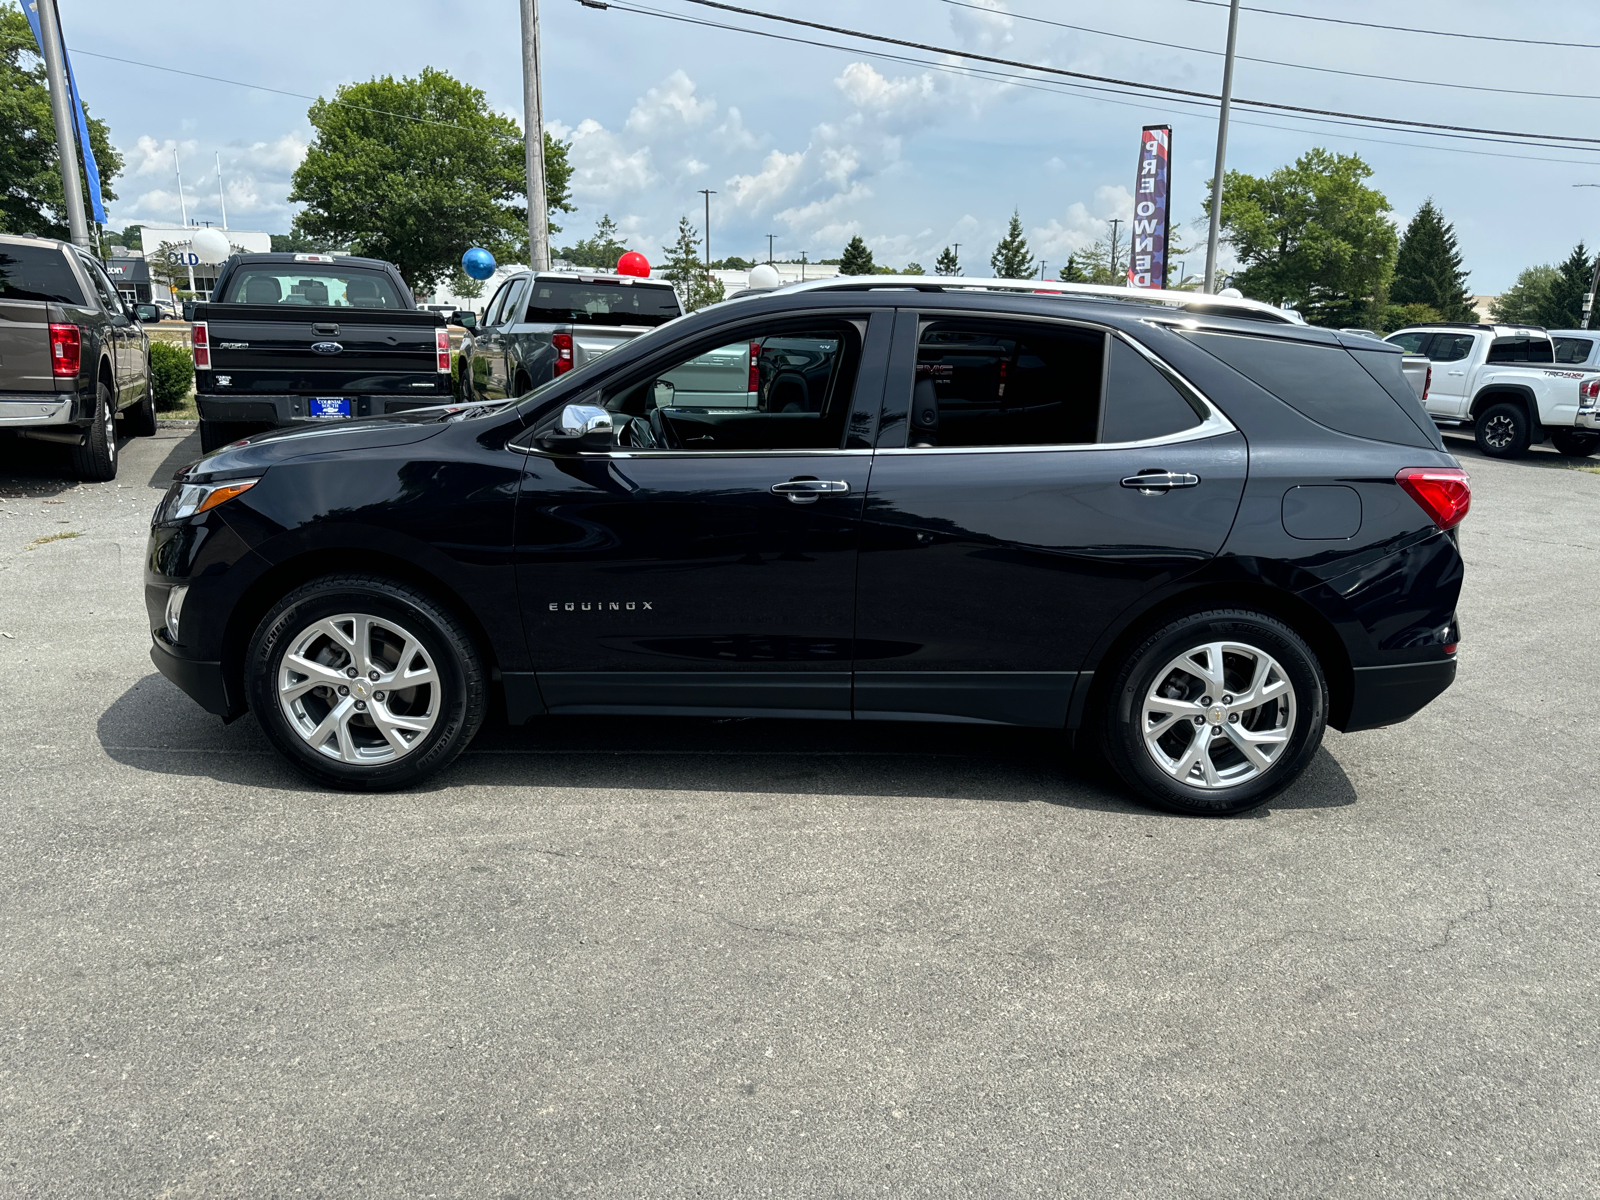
column 1505, row 383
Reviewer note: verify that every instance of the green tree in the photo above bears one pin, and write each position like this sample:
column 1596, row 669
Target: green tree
column 1398, row 316
column 1011, row 259
column 130, row 237
column 1072, row 272
column 599, row 252
column 1525, row 301
column 1562, row 307
column 414, row 171
column 464, row 285
column 297, row 243
column 1312, row 235
column 857, row 259
column 914, row 268
column 31, row 200
column 694, row 284
column 1093, row 265
column 732, row 263
column 1427, row 269
column 947, row 263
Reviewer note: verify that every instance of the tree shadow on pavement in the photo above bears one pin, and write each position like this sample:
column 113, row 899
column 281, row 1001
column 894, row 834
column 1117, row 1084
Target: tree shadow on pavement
column 154, row 728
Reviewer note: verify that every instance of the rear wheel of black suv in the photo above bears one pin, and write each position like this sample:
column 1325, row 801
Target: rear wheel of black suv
column 1215, row 713
column 364, row 683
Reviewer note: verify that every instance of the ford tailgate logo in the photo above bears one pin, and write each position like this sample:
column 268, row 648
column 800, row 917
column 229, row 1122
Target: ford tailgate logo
column 326, row 347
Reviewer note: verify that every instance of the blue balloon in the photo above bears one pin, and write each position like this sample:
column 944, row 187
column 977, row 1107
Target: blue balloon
column 478, row 263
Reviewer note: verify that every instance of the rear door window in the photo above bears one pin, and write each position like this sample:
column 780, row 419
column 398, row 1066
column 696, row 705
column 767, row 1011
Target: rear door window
column 1449, row 347
column 314, row 285
column 1411, row 343
column 559, row 302
column 1573, row 350
column 1322, row 382
column 38, row 273
column 1141, row 401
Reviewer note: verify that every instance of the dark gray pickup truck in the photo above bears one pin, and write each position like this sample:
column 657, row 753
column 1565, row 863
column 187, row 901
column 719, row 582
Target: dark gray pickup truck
column 73, row 357
column 300, row 338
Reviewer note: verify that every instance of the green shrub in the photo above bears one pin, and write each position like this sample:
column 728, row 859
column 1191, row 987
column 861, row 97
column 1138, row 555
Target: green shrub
column 171, row 374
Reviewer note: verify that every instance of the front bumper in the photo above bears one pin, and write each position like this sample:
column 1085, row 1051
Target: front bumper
column 24, row 411
column 203, row 682
column 279, row 410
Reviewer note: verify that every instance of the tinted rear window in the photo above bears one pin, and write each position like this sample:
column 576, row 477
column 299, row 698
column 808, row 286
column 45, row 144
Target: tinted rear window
column 313, row 285
column 37, row 273
column 1322, row 382
column 1522, row 350
column 562, row 303
column 1573, row 350
column 1140, row 401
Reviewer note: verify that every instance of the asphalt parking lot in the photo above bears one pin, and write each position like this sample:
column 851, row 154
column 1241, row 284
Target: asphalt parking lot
column 666, row 958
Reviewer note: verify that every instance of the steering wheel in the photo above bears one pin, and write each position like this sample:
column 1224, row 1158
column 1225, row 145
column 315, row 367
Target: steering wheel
column 662, row 432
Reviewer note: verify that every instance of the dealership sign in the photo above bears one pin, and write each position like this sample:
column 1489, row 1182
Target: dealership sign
column 1152, row 209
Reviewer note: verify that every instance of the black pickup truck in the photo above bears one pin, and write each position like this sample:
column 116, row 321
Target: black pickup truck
column 302, row 338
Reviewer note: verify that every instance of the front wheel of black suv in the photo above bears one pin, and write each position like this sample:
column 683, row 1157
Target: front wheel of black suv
column 364, row 683
column 1574, row 443
column 1215, row 713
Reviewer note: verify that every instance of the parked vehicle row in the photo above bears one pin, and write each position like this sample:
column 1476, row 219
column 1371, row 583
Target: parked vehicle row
column 74, row 358
column 1513, row 385
column 1192, row 535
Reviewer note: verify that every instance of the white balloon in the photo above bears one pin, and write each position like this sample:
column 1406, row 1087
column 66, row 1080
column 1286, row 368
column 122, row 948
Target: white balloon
column 1231, row 294
column 765, row 276
column 210, row 245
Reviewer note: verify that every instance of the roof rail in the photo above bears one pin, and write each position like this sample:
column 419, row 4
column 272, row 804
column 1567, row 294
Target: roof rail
column 1202, row 301
column 1498, row 328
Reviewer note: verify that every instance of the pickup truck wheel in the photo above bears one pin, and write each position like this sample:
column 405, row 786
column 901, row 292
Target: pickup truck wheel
column 1575, row 443
column 140, row 420
column 214, row 435
column 1501, row 431
column 1216, row 713
column 365, row 683
column 522, row 387
column 95, row 459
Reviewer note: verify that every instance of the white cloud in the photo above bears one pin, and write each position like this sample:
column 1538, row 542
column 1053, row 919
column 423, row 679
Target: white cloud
column 777, row 175
column 150, row 157
column 282, row 155
column 1082, row 226
column 732, row 134
column 988, row 30
column 865, row 88
column 670, row 105
column 802, row 216
column 603, row 166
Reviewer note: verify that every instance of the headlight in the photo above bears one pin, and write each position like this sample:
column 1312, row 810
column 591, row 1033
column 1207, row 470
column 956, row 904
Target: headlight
column 184, row 500
column 175, row 599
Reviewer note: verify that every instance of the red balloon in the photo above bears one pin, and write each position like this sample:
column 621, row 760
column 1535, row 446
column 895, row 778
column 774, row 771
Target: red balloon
column 634, row 263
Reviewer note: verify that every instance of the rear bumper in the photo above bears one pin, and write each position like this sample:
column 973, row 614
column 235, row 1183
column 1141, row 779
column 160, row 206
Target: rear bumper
column 23, row 411
column 1588, row 419
column 202, row 682
column 1388, row 695
column 294, row 410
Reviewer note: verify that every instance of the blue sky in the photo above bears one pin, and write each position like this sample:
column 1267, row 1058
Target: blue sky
column 815, row 145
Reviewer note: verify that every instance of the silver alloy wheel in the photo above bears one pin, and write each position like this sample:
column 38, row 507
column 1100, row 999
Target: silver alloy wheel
column 1218, row 715
column 1498, row 431
column 111, row 432
column 359, row 689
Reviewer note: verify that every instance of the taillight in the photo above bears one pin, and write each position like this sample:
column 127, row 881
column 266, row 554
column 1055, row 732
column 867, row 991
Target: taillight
column 201, row 341
column 441, row 342
column 1427, row 383
column 1589, row 393
column 1445, row 493
column 563, row 344
column 66, row 350
column 755, row 368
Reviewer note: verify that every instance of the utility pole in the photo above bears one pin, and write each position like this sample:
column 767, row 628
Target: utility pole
column 708, row 193
column 1210, row 284
column 957, row 252
column 1041, row 268
column 802, row 266
column 183, row 209
column 770, row 236
column 533, row 140
column 1116, row 223
column 222, row 199
column 55, row 72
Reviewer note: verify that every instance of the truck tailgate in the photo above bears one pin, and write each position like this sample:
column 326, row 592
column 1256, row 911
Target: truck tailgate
column 591, row 341
column 271, row 348
column 25, row 347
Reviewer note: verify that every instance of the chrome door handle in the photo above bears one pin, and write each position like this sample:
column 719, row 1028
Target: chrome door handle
column 1455, row 372
column 1153, row 482
column 806, row 491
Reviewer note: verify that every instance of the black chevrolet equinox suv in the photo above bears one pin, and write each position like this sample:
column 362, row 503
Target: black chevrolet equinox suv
column 1191, row 530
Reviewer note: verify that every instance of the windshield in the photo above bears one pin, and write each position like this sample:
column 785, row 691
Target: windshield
column 313, row 284
column 557, row 302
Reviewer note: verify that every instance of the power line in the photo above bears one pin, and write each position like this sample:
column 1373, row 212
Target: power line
column 1124, row 83
column 1479, row 37
column 1273, row 62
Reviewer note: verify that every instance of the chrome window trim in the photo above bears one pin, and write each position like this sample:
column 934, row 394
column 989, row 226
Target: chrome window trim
column 624, row 454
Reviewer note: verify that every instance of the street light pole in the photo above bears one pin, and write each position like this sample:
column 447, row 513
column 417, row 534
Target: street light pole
column 1115, row 224
column 770, row 236
column 222, row 198
column 533, row 140
column 61, row 112
column 1210, row 284
column 708, row 193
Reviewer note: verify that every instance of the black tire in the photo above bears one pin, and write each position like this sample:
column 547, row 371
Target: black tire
column 1575, row 443
column 1502, row 430
column 94, row 460
column 1122, row 714
column 140, row 419
column 214, row 435
column 522, row 387
column 454, row 704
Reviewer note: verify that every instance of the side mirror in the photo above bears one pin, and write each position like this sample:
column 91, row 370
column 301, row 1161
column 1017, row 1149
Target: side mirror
column 188, row 310
column 146, row 312
column 665, row 393
column 467, row 320
column 582, row 427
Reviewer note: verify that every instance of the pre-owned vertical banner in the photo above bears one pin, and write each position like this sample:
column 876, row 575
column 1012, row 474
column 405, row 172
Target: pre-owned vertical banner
column 1152, row 209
